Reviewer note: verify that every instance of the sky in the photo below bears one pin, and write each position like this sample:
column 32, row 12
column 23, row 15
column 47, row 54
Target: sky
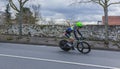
column 61, row 9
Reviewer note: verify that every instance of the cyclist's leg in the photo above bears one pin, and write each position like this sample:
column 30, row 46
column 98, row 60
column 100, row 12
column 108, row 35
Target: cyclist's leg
column 70, row 39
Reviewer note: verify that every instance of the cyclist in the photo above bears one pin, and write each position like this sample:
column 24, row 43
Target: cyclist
column 73, row 29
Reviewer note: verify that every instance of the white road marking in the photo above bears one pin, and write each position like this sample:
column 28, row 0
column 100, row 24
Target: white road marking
column 58, row 61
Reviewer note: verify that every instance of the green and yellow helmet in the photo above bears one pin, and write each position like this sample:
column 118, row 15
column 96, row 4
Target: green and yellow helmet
column 79, row 24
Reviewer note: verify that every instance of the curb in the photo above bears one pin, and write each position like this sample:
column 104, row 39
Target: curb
column 54, row 45
column 29, row 43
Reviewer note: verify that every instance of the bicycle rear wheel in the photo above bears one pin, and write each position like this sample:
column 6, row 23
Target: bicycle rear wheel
column 83, row 47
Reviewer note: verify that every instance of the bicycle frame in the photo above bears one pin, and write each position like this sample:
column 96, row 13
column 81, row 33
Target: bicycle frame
column 76, row 42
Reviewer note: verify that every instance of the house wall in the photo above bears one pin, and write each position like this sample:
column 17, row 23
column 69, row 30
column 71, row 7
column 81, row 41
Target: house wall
column 112, row 20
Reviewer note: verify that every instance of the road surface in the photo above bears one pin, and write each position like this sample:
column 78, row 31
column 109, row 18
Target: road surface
column 22, row 56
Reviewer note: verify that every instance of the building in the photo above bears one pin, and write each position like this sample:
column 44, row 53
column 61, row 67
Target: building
column 112, row 20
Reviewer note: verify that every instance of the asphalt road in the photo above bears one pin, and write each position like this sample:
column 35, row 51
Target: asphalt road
column 22, row 56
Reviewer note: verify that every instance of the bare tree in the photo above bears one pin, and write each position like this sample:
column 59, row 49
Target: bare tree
column 21, row 5
column 36, row 10
column 105, row 4
column 19, row 10
column 7, row 15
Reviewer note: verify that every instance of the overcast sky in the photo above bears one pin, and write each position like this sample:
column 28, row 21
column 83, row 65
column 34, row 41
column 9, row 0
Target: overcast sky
column 62, row 9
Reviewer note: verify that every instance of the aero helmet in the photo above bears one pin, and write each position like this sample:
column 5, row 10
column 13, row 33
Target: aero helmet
column 79, row 24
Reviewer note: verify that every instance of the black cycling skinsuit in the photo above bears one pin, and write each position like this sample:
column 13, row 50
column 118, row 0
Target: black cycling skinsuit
column 74, row 30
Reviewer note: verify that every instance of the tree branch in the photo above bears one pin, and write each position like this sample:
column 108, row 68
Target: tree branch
column 24, row 2
column 114, row 3
column 19, row 0
column 13, row 5
column 85, row 1
column 95, row 1
column 108, row 0
column 81, row 1
column 100, row 2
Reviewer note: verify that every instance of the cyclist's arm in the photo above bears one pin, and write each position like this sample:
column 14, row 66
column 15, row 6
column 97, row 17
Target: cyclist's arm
column 75, row 35
column 79, row 33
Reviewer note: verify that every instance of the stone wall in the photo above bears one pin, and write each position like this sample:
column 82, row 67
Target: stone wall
column 98, row 32
column 93, row 32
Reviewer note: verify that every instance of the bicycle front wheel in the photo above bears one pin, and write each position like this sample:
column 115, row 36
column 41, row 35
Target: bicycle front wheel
column 83, row 47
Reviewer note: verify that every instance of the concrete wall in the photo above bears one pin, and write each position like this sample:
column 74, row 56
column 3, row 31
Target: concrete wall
column 94, row 32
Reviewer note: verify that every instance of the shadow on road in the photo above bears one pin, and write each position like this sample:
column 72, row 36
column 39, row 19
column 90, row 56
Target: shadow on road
column 73, row 53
